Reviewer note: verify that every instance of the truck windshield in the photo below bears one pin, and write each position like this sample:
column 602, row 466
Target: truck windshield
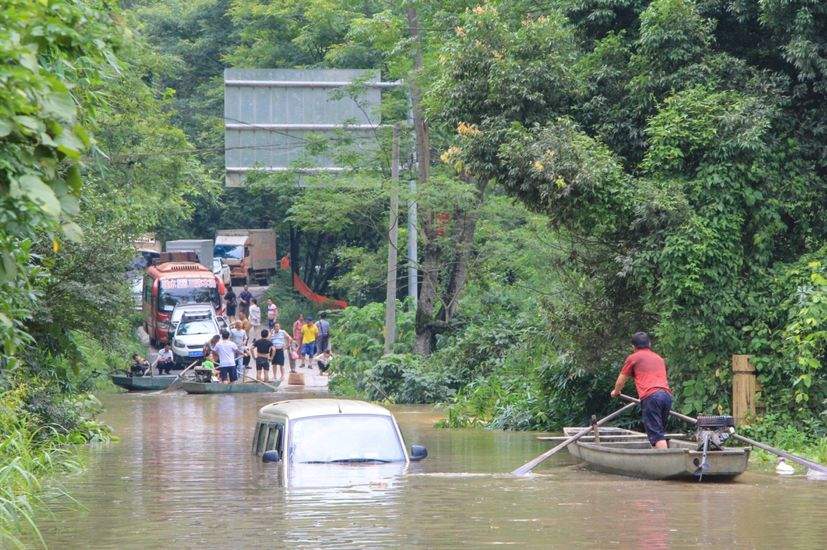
column 345, row 438
column 231, row 251
column 187, row 291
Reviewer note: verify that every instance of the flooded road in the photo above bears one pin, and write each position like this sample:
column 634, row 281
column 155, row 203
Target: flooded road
column 182, row 476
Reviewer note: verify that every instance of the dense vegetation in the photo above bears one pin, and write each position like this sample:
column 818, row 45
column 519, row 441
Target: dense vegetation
column 672, row 153
column 597, row 167
column 89, row 160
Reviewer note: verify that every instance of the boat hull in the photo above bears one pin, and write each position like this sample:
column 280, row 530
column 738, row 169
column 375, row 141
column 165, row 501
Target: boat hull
column 679, row 461
column 215, row 387
column 143, row 383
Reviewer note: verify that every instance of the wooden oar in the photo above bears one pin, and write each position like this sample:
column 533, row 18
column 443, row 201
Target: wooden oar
column 272, row 387
column 528, row 466
column 177, row 378
column 778, row 452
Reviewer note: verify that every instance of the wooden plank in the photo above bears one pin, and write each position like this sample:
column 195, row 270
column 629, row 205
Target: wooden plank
column 610, row 436
column 743, row 387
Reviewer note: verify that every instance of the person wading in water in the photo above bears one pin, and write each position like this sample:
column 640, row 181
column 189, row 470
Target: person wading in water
column 649, row 371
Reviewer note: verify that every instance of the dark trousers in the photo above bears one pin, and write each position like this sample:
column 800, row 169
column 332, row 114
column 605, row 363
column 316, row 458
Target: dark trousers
column 655, row 409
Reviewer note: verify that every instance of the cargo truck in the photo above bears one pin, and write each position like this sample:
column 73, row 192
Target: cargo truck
column 250, row 253
column 203, row 248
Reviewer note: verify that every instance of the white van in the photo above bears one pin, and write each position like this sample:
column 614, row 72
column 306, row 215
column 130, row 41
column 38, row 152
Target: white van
column 330, row 431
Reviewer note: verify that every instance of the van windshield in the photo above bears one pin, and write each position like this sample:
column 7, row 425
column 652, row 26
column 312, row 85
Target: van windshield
column 345, row 438
column 231, row 251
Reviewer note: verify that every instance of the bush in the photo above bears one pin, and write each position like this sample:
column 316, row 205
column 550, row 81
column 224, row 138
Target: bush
column 40, row 427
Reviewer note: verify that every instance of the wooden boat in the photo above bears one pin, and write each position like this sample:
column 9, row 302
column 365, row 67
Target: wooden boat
column 617, row 453
column 216, row 387
column 143, row 383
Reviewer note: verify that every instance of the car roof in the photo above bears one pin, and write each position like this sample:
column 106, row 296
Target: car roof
column 302, row 408
column 193, row 309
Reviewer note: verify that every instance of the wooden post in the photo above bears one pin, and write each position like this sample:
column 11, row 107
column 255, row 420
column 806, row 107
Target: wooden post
column 743, row 388
column 595, row 429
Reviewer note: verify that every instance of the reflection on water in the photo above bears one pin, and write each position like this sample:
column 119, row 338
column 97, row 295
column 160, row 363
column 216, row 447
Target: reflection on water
column 182, row 476
column 361, row 479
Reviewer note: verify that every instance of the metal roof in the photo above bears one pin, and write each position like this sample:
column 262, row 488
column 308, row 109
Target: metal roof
column 234, row 240
column 302, row 408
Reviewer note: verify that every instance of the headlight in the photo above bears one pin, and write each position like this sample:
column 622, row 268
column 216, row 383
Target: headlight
column 177, row 343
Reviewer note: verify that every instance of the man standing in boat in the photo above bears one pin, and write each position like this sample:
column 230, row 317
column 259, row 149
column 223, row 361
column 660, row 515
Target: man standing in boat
column 649, row 371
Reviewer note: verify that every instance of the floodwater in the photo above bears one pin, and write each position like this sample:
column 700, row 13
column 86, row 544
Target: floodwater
column 182, row 476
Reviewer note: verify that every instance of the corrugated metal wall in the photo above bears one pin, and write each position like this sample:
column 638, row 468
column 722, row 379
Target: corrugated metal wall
column 267, row 114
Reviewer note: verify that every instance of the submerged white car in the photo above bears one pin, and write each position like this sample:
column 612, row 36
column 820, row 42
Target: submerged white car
column 330, row 431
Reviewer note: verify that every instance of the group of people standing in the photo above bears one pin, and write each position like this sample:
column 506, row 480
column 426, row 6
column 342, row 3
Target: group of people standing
column 247, row 341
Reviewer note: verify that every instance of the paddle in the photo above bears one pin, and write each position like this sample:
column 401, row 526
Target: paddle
column 272, row 387
column 778, row 452
column 528, row 466
column 180, row 374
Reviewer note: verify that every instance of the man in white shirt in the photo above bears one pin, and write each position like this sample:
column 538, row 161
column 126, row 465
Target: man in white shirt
column 227, row 353
column 255, row 320
column 238, row 336
column 272, row 314
column 165, row 360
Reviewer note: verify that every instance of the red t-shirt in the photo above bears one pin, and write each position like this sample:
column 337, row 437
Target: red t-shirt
column 649, row 371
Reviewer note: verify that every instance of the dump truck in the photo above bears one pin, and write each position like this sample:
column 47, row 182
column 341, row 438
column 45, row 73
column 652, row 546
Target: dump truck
column 203, row 248
column 250, row 253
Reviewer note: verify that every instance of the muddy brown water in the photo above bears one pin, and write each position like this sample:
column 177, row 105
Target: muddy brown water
column 182, row 476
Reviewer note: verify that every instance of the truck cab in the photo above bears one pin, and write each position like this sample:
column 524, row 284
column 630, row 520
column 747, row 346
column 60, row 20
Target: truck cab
column 250, row 253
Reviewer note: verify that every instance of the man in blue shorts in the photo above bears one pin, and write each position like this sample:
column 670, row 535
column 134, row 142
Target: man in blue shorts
column 309, row 334
column 649, row 372
column 227, row 353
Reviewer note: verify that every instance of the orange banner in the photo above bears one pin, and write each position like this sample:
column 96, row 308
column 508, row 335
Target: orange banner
column 305, row 291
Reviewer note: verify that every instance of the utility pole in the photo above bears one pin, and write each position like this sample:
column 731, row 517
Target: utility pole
column 393, row 237
column 413, row 253
column 431, row 252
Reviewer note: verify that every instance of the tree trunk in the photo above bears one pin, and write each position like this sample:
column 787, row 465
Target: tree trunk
column 429, row 265
column 310, row 276
column 295, row 242
column 429, row 268
column 464, row 244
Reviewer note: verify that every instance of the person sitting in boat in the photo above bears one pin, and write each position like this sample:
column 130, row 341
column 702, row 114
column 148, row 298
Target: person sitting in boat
column 204, row 373
column 649, row 371
column 165, row 360
column 139, row 366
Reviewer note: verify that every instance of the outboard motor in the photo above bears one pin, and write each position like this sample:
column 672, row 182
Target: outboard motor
column 711, row 433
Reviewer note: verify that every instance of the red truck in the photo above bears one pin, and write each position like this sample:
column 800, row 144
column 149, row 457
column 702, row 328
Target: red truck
column 169, row 284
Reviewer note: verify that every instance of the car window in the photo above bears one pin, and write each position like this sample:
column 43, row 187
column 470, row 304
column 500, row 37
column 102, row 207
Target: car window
column 261, row 436
column 274, row 440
